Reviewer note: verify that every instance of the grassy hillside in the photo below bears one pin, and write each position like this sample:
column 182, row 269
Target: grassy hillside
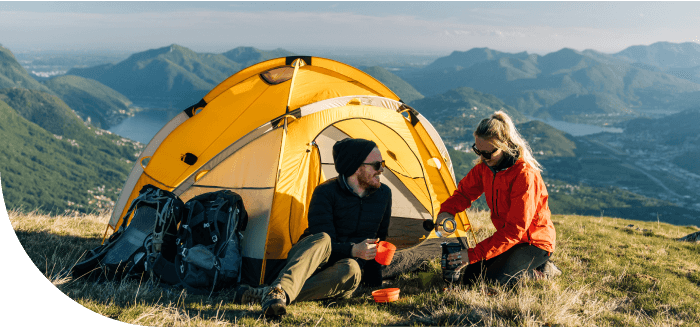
column 79, row 169
column 93, row 101
column 616, row 273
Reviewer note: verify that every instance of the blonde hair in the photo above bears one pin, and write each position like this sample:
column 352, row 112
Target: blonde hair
column 501, row 131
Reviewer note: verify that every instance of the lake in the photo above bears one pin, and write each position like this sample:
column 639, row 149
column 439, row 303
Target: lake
column 578, row 129
column 145, row 124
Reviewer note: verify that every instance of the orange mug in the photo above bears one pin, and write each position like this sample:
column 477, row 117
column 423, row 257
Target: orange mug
column 385, row 252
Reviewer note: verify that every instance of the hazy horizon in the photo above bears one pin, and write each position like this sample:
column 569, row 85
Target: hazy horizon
column 422, row 28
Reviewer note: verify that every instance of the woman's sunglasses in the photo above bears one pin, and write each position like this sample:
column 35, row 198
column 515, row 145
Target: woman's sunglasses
column 486, row 155
column 376, row 165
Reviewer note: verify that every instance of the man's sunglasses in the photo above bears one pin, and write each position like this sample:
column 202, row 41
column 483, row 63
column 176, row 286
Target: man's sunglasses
column 486, row 155
column 376, row 165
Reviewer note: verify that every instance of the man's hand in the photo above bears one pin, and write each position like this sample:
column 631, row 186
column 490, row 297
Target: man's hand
column 366, row 250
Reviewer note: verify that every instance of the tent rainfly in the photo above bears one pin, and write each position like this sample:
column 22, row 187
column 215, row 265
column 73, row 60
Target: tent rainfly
column 267, row 133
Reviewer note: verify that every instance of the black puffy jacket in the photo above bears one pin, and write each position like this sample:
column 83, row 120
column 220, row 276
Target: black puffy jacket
column 347, row 218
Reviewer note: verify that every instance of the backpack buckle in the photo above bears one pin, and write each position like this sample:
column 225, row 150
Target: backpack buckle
column 214, row 238
column 184, row 252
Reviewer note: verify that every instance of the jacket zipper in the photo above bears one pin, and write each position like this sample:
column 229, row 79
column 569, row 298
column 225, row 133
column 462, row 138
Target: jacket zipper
column 494, row 200
column 358, row 217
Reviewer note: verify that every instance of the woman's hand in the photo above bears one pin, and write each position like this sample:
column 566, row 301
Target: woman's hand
column 441, row 217
column 366, row 250
column 458, row 258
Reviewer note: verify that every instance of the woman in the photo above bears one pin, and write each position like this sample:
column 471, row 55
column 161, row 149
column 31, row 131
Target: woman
column 509, row 176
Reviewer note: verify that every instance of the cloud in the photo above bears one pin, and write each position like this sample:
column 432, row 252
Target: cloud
column 212, row 30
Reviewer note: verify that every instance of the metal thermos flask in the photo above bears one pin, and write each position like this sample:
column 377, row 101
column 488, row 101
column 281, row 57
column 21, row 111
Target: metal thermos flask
column 446, row 227
column 450, row 274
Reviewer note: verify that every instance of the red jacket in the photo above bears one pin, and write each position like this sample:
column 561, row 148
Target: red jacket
column 517, row 198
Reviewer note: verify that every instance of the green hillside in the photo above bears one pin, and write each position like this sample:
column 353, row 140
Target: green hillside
column 664, row 54
column 457, row 112
column 404, row 90
column 43, row 109
column 689, row 161
column 692, row 74
column 459, row 60
column 173, row 76
column 66, row 166
column 92, row 101
column 678, row 133
column 12, row 74
column 248, row 56
column 672, row 130
column 547, row 141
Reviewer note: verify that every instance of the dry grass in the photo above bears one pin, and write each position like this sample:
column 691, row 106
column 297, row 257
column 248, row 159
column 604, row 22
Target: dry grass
column 614, row 275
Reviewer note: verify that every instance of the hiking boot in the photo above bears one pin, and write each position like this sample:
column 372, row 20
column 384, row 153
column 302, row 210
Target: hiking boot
column 274, row 302
column 538, row 275
column 550, row 270
column 245, row 294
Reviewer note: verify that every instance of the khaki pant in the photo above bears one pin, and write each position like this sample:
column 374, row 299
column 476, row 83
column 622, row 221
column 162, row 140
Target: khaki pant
column 303, row 260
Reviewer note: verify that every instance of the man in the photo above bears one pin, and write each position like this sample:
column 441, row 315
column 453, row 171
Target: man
column 347, row 215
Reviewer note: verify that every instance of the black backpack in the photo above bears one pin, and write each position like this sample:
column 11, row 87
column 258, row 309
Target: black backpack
column 209, row 256
column 126, row 253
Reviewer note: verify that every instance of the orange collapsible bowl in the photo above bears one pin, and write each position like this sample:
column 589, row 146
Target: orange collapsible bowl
column 385, row 252
column 386, row 295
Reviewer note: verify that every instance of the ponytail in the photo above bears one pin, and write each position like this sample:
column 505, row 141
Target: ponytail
column 499, row 128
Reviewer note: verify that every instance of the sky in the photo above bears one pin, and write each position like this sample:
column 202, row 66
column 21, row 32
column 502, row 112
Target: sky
column 414, row 27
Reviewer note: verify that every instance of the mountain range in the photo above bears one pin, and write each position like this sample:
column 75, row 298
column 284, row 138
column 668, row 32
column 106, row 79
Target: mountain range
column 176, row 77
column 173, row 76
column 52, row 131
column 91, row 100
column 568, row 84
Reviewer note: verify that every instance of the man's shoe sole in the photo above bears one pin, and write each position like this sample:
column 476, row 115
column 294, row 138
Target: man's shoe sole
column 276, row 309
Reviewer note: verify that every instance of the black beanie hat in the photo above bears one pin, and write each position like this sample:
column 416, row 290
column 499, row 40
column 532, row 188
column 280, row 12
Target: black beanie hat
column 349, row 154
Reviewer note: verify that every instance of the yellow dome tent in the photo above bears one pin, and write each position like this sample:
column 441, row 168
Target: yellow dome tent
column 267, row 133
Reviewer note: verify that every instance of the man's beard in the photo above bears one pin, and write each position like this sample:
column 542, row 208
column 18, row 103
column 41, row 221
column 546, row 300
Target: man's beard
column 367, row 181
